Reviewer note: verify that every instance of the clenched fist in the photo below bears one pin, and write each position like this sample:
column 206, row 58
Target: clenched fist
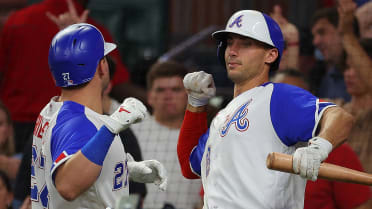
column 130, row 111
column 200, row 88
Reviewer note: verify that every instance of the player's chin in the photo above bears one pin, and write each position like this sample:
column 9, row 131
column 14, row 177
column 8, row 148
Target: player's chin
column 233, row 74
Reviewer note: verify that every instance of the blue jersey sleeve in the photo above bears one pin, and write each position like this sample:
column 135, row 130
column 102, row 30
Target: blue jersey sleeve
column 197, row 154
column 295, row 113
column 71, row 132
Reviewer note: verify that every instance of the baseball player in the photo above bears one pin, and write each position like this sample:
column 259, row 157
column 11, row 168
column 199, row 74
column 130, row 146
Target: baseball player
column 263, row 117
column 78, row 160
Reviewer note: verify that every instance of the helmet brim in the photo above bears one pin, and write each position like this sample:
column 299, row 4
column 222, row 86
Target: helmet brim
column 220, row 35
column 109, row 47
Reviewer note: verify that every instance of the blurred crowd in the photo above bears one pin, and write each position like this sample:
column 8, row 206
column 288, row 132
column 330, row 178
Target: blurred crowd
column 340, row 70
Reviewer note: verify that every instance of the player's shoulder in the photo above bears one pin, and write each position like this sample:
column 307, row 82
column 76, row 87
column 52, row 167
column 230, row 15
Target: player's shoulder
column 287, row 87
column 72, row 116
column 284, row 90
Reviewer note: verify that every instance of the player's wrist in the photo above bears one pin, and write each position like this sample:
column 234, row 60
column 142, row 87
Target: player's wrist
column 321, row 144
column 97, row 147
column 191, row 108
column 197, row 102
column 114, row 125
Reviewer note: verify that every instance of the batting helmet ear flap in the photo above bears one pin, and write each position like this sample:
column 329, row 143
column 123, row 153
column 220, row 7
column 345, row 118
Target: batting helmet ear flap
column 221, row 52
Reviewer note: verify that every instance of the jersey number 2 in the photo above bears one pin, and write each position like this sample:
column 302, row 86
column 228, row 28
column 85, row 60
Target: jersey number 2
column 120, row 169
column 43, row 194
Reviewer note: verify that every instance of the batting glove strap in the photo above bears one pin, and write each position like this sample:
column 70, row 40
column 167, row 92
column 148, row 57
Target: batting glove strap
column 148, row 171
column 322, row 144
column 307, row 160
column 130, row 111
column 197, row 101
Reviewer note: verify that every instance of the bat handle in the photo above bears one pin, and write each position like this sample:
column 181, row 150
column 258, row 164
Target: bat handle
column 280, row 161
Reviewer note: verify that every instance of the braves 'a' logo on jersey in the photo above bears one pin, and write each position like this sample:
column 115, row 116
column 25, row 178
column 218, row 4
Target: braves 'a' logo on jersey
column 239, row 120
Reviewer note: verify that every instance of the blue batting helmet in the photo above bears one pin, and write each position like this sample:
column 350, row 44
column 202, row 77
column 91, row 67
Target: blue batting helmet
column 75, row 52
column 255, row 25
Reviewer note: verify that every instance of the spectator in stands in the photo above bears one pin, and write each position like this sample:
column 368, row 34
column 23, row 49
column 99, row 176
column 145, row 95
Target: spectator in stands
column 6, row 194
column 158, row 136
column 326, row 79
column 9, row 161
column 25, row 80
column 359, row 84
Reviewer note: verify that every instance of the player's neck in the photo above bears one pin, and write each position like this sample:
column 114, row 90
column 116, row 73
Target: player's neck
column 250, row 84
column 84, row 96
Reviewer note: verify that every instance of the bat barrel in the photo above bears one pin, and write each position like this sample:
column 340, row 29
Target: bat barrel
column 338, row 173
column 283, row 162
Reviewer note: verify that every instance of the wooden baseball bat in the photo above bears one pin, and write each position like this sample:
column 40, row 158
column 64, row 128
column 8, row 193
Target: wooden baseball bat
column 283, row 162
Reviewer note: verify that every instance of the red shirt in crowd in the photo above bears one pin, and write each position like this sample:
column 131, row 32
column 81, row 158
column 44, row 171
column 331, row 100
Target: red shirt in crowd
column 26, row 83
column 324, row 194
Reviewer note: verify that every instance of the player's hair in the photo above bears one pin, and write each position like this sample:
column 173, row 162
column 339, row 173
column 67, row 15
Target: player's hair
column 164, row 70
column 7, row 148
column 112, row 66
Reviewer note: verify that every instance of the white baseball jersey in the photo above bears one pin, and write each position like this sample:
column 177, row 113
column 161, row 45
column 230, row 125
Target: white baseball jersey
column 61, row 130
column 160, row 142
column 268, row 118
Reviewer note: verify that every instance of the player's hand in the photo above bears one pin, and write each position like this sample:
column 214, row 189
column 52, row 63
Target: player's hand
column 147, row 171
column 130, row 111
column 306, row 160
column 200, row 88
column 68, row 18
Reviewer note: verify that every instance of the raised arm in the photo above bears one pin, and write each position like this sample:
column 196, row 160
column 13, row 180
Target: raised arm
column 200, row 87
column 359, row 58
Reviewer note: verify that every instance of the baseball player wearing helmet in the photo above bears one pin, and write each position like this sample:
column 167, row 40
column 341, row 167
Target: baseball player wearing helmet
column 78, row 160
column 230, row 155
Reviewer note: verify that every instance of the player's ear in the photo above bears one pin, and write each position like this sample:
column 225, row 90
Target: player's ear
column 271, row 55
column 102, row 67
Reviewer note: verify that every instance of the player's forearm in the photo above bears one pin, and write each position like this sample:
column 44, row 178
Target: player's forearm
column 75, row 176
column 79, row 172
column 193, row 126
column 360, row 60
column 335, row 125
